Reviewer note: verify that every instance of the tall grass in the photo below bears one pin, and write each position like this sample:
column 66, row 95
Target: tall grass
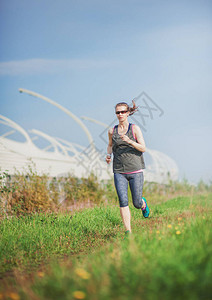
column 169, row 256
column 50, row 250
column 38, row 237
column 28, row 193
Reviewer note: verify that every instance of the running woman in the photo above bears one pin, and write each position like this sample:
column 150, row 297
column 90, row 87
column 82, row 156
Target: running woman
column 127, row 144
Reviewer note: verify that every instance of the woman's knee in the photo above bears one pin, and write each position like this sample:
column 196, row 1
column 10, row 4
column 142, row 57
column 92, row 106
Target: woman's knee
column 137, row 204
column 123, row 202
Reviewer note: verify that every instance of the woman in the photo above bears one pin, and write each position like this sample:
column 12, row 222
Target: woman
column 127, row 144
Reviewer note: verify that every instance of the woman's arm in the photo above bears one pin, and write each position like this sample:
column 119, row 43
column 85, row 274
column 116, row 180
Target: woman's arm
column 109, row 147
column 140, row 144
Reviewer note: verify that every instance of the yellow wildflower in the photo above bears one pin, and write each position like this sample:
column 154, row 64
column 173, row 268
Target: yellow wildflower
column 79, row 295
column 176, row 227
column 179, row 219
column 14, row 296
column 169, row 225
column 82, row 273
column 178, row 232
column 157, row 231
column 40, row 274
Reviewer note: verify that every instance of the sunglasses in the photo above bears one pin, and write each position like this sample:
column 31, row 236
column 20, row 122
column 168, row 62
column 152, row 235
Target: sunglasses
column 121, row 112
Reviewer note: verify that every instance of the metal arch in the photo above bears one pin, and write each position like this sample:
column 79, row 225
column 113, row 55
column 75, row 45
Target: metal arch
column 68, row 112
column 70, row 146
column 5, row 123
column 95, row 121
column 17, row 127
column 52, row 140
column 8, row 133
column 49, row 146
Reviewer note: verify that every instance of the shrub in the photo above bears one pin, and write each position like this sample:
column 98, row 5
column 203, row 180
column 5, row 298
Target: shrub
column 31, row 194
column 82, row 190
column 27, row 193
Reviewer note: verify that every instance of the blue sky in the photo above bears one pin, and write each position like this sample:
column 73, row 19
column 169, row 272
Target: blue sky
column 89, row 55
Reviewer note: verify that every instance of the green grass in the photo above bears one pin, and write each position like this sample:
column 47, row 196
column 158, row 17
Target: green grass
column 30, row 239
column 169, row 255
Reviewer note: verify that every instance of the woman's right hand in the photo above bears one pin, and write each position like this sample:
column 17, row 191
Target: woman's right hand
column 108, row 159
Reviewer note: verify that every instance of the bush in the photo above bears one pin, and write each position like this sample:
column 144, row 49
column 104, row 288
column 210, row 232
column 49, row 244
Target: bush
column 30, row 194
column 82, row 190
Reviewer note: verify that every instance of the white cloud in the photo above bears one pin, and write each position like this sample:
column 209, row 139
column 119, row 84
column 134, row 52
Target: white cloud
column 48, row 66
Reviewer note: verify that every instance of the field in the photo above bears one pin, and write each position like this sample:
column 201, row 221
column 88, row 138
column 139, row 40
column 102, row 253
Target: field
column 84, row 254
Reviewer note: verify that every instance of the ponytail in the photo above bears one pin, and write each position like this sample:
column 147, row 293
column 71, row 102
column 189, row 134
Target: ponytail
column 132, row 109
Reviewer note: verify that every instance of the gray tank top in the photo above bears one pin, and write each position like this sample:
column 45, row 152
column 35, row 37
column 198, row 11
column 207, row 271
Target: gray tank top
column 125, row 157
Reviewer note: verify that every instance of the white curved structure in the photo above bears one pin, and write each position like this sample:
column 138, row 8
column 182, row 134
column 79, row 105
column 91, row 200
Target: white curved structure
column 95, row 121
column 71, row 147
column 17, row 127
column 162, row 169
column 67, row 157
column 68, row 112
column 54, row 143
column 19, row 155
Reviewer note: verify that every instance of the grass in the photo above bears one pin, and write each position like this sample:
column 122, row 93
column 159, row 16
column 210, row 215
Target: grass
column 35, row 238
column 169, row 255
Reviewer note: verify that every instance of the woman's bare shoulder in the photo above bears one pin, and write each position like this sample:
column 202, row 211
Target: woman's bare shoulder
column 136, row 128
column 110, row 131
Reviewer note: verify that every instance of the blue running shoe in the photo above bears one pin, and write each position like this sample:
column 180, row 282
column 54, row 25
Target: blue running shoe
column 145, row 211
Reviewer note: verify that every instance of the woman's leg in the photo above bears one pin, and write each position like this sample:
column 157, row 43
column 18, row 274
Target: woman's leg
column 136, row 182
column 121, row 184
column 136, row 186
column 126, row 217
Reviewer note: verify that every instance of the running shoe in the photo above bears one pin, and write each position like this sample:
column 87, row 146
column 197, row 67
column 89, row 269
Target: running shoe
column 145, row 211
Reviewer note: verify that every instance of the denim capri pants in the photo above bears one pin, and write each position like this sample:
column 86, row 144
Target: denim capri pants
column 136, row 181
